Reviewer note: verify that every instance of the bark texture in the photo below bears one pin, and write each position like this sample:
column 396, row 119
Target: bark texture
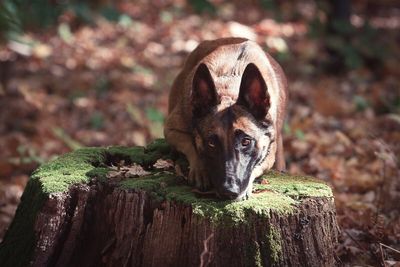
column 102, row 223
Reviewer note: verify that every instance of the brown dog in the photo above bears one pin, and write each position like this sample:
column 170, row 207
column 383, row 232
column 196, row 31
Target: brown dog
column 226, row 111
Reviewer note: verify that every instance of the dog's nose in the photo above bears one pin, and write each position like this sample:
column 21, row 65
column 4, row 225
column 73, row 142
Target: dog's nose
column 230, row 193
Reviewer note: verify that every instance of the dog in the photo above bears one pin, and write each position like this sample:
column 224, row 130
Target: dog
column 226, row 111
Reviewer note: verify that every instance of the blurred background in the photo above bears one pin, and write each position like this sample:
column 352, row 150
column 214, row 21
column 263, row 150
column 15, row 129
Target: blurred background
column 97, row 73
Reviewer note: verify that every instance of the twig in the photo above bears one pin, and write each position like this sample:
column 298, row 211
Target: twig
column 382, row 256
column 386, row 246
column 204, row 261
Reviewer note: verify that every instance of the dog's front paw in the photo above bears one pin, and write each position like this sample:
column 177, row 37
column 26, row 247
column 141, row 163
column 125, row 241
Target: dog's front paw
column 249, row 192
column 198, row 176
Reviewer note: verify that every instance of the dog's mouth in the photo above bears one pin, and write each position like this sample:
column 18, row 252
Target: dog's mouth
column 241, row 197
column 232, row 188
column 214, row 193
column 229, row 195
column 229, row 190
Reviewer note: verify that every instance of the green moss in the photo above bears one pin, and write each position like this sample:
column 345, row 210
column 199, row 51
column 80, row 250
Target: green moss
column 228, row 211
column 294, row 186
column 143, row 156
column 159, row 146
column 81, row 165
column 253, row 255
column 71, row 168
column 132, row 154
column 280, row 194
column 168, row 186
column 274, row 241
column 258, row 261
column 99, row 173
column 155, row 183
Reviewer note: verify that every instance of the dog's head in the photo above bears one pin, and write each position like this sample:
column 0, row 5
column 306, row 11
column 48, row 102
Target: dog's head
column 233, row 141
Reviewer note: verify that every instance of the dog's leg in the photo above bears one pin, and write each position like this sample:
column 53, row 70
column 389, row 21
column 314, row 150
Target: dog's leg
column 183, row 142
column 280, row 157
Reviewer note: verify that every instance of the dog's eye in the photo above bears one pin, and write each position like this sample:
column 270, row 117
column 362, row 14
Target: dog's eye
column 246, row 141
column 212, row 142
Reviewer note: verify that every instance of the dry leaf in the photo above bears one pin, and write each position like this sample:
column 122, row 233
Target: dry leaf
column 163, row 164
column 136, row 171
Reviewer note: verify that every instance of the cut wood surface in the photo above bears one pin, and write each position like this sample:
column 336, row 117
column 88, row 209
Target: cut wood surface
column 132, row 207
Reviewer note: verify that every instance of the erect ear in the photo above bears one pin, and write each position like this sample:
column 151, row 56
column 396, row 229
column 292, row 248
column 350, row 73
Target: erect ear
column 253, row 93
column 204, row 96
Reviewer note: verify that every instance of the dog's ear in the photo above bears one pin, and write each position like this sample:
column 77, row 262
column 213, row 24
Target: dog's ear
column 204, row 96
column 253, row 93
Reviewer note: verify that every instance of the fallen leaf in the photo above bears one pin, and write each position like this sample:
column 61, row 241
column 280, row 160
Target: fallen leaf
column 163, row 164
column 135, row 171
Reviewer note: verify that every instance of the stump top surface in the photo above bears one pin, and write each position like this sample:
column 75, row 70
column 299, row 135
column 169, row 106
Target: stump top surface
column 151, row 169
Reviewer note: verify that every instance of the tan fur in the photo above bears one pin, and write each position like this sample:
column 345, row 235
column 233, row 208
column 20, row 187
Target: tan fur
column 226, row 59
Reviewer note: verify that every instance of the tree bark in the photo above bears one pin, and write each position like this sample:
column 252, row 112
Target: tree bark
column 155, row 219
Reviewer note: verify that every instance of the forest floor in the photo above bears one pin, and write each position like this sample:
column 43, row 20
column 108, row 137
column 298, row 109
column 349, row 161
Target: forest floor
column 106, row 83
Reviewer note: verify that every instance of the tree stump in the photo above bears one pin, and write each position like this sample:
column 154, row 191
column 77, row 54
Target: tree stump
column 132, row 207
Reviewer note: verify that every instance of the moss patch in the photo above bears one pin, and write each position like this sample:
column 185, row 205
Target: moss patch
column 293, row 185
column 276, row 192
column 279, row 194
column 99, row 173
column 253, row 255
column 81, row 165
column 68, row 169
column 274, row 239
